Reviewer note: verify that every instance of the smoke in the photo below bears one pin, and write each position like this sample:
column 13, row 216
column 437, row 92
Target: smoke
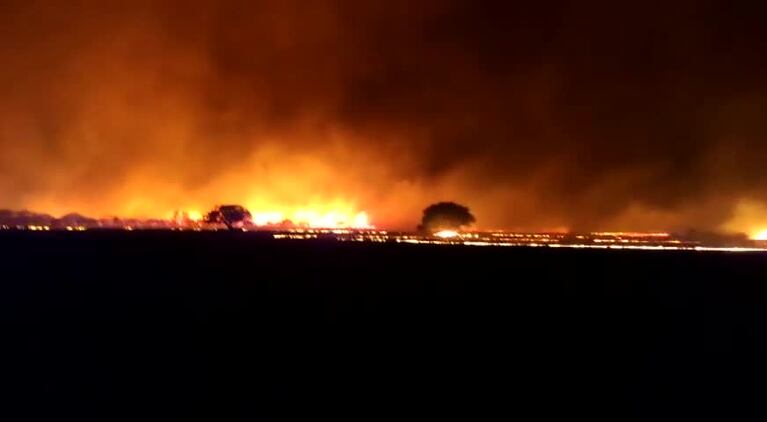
column 564, row 115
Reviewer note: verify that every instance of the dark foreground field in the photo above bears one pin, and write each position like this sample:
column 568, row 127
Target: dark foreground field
column 235, row 326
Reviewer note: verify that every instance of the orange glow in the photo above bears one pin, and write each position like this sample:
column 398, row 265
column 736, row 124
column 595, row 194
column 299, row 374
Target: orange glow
column 313, row 218
column 308, row 177
column 315, row 112
column 446, row 234
column 194, row 215
column 749, row 217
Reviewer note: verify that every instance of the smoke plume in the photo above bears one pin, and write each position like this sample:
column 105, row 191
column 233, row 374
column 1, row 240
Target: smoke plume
column 577, row 115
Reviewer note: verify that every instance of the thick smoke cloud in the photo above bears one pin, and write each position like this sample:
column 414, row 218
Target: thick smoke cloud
column 580, row 115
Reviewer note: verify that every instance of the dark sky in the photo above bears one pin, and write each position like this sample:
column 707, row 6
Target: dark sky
column 642, row 115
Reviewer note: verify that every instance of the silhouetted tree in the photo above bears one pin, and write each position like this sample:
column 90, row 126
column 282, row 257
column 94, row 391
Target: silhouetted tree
column 445, row 216
column 229, row 215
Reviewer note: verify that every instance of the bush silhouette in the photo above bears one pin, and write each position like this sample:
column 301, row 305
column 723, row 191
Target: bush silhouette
column 445, row 216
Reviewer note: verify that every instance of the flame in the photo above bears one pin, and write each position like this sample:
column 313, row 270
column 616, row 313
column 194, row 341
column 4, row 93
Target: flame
column 194, row 216
column 332, row 219
column 446, row 234
column 268, row 218
column 749, row 217
column 319, row 218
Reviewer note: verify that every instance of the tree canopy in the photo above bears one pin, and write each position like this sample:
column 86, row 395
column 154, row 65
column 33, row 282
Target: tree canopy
column 230, row 215
column 445, row 216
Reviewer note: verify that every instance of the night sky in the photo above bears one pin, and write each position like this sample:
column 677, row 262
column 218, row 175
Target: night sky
column 647, row 115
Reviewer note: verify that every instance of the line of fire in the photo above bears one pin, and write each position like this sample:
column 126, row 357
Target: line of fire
column 358, row 229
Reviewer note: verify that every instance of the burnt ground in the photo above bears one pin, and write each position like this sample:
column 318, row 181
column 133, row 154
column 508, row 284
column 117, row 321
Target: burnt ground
column 236, row 326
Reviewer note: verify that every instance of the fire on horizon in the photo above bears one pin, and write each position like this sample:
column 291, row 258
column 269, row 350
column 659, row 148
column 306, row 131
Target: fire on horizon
column 599, row 116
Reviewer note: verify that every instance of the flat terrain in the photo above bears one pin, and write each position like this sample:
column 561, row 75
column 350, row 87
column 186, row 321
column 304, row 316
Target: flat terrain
column 236, row 326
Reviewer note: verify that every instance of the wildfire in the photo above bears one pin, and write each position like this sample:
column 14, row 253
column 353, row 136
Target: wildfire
column 761, row 235
column 446, row 234
column 314, row 219
column 194, row 215
column 320, row 216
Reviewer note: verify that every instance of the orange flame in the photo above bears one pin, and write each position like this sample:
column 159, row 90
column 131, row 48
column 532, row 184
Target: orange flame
column 312, row 218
